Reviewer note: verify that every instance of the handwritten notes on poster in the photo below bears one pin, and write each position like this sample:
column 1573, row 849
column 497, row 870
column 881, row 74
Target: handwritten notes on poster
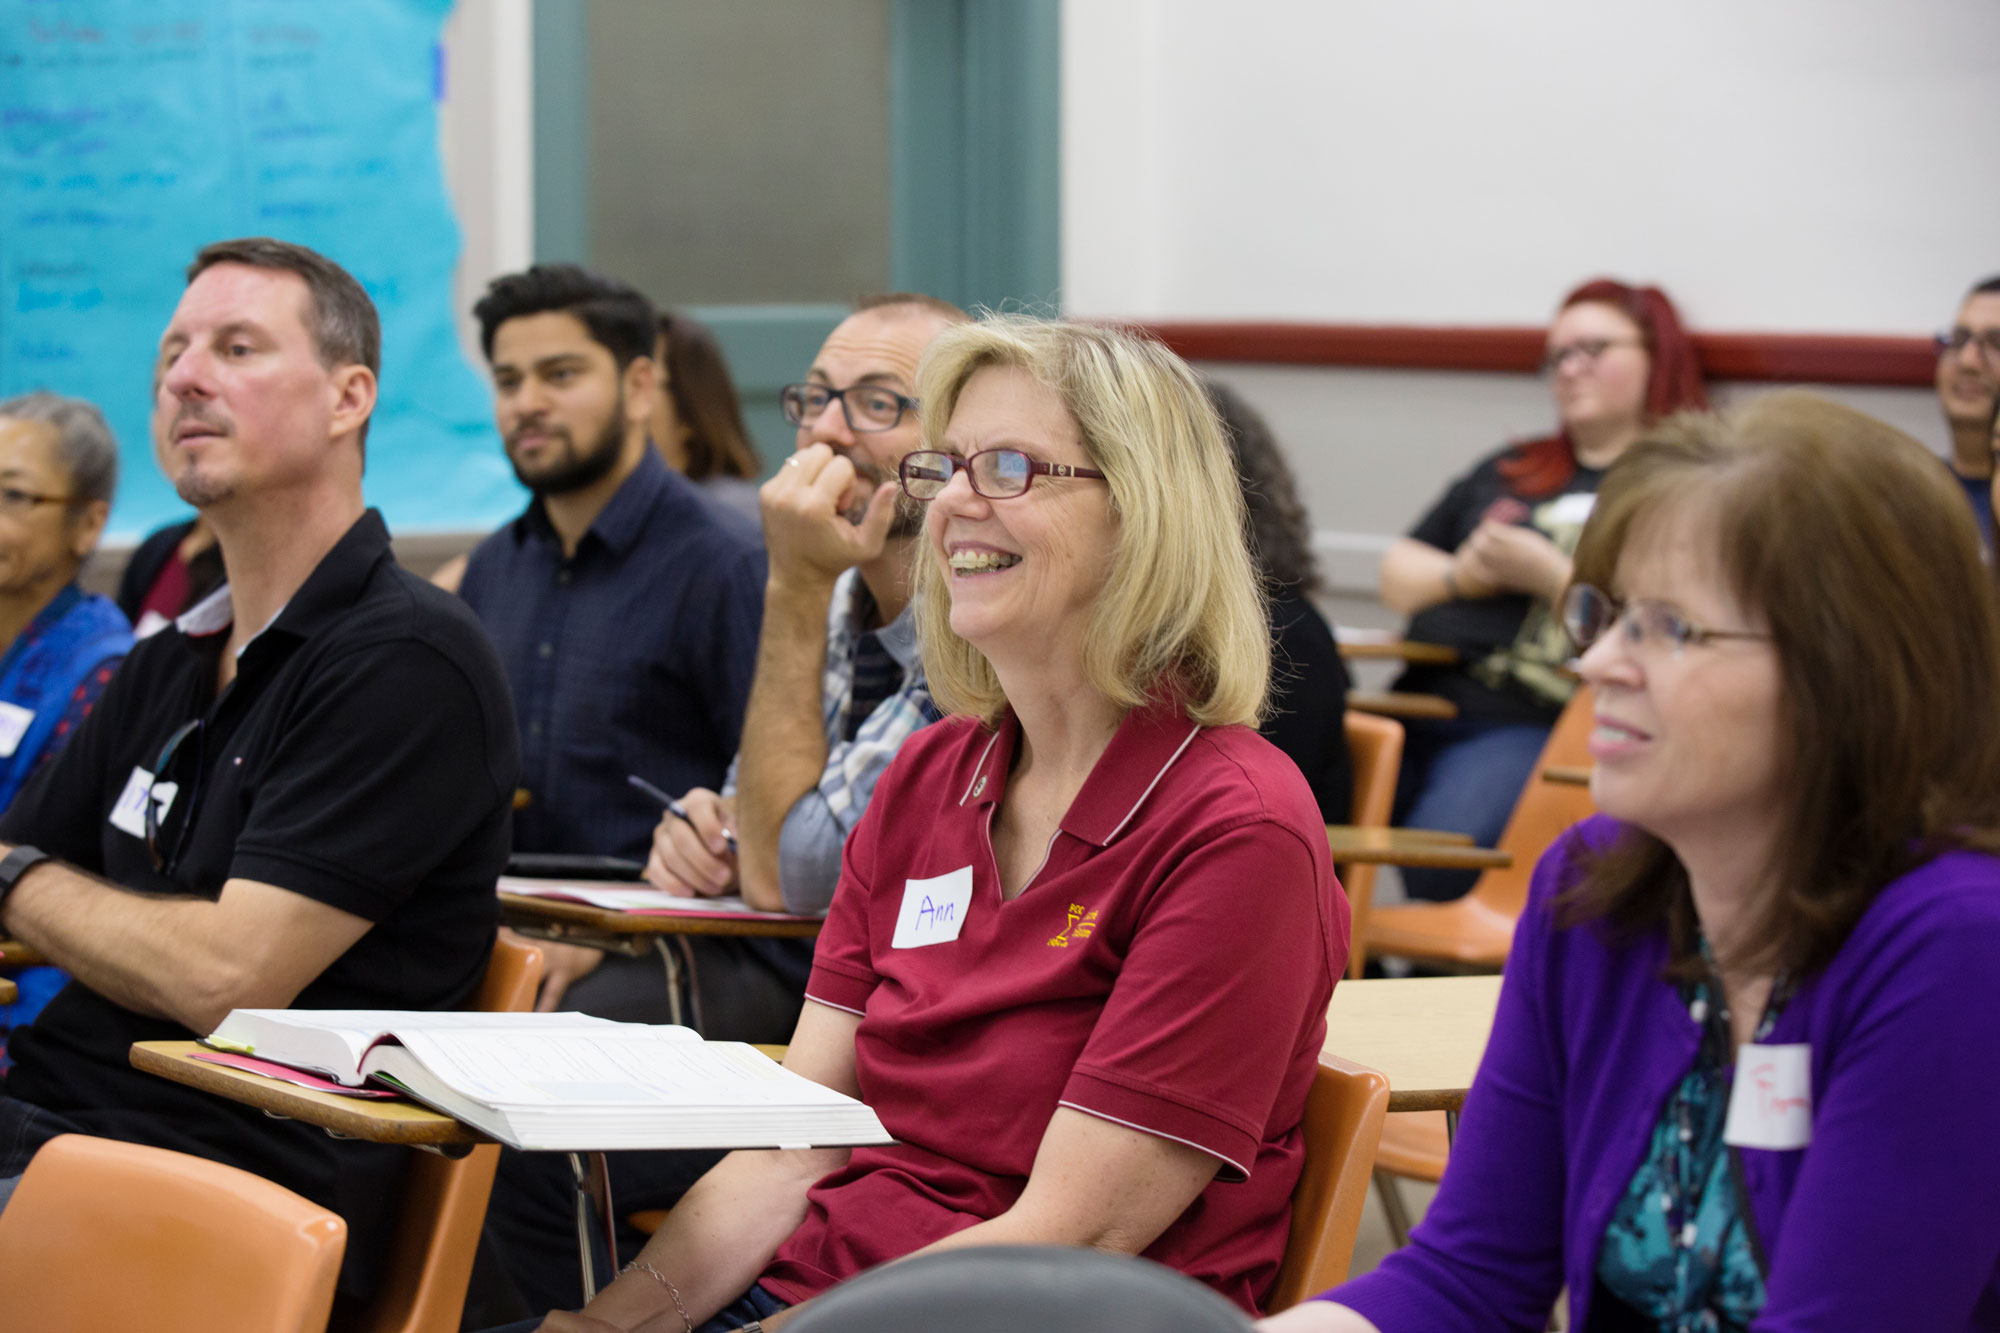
column 132, row 132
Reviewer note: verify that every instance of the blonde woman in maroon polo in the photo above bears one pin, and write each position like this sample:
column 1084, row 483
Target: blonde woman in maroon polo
column 1084, row 940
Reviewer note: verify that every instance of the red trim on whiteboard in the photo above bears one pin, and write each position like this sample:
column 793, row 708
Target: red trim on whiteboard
column 1813, row 358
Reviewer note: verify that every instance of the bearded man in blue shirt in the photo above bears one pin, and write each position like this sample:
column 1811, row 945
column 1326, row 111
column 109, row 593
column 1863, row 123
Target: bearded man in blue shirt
column 625, row 605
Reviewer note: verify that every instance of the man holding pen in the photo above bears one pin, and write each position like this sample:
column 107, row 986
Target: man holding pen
column 838, row 687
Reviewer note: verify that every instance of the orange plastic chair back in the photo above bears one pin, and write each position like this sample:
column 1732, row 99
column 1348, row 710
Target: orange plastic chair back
column 1344, row 1114
column 1545, row 808
column 444, row 1201
column 1375, row 749
column 1414, row 1144
column 1476, row 930
column 109, row 1235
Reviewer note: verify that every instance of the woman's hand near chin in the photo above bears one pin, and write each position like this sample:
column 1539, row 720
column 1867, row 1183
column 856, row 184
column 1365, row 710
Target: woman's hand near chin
column 1317, row 1317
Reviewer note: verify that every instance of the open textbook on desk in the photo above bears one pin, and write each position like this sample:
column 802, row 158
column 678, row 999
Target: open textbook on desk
column 562, row 1082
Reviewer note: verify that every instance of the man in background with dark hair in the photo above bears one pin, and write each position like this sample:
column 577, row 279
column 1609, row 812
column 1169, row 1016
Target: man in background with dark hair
column 625, row 605
column 1968, row 372
column 296, row 795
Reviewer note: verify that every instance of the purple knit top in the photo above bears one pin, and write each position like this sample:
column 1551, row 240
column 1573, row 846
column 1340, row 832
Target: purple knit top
column 1888, row 1219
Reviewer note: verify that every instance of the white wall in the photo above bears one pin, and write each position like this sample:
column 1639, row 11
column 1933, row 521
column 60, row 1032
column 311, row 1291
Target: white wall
column 1374, row 448
column 1783, row 165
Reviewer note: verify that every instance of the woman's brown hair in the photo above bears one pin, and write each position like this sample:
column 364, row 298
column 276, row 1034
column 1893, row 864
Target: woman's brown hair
column 1858, row 549
column 704, row 399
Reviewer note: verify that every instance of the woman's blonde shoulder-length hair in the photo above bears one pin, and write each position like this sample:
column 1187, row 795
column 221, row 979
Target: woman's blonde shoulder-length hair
column 1180, row 607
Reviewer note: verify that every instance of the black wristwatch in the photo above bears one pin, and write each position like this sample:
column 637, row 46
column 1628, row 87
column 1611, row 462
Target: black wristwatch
column 16, row 864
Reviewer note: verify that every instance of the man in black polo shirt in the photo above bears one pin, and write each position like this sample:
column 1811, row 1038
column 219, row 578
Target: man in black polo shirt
column 298, row 795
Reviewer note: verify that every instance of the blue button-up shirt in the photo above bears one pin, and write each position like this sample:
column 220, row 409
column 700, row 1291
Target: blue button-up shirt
column 633, row 656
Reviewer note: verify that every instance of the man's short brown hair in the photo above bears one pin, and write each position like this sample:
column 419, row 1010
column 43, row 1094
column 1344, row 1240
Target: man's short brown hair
column 345, row 329
column 339, row 315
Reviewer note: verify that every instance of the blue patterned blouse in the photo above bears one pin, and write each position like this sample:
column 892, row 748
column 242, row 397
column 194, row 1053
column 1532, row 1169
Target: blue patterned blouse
column 1677, row 1251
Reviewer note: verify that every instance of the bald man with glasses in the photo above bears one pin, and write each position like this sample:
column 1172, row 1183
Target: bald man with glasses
column 838, row 686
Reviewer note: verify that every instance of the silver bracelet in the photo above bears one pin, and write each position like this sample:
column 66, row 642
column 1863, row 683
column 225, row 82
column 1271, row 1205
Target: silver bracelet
column 641, row 1266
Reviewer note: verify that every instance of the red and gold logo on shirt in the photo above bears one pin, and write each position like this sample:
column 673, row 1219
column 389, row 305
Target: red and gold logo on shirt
column 1080, row 925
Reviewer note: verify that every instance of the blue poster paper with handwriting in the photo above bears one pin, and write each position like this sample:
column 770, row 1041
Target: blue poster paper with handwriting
column 132, row 132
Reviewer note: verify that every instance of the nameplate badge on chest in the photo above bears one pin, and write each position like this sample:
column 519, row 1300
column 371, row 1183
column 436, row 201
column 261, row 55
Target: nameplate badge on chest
column 14, row 723
column 933, row 910
column 1771, row 1104
column 129, row 815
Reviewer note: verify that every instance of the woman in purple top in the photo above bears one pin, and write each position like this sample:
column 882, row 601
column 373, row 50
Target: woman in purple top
column 1744, row 1073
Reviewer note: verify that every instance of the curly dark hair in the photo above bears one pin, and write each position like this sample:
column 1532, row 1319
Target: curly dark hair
column 1275, row 522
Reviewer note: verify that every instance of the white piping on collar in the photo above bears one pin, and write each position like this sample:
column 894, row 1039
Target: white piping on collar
column 211, row 615
column 1196, row 731
column 216, row 613
column 979, row 769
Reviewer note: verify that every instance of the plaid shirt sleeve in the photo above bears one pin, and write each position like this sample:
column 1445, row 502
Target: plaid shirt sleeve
column 817, row 825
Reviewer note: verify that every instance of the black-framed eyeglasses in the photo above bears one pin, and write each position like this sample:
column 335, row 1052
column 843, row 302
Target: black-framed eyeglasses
column 1958, row 339
column 183, row 750
column 1589, row 349
column 1588, row 614
column 997, row 474
column 866, row 406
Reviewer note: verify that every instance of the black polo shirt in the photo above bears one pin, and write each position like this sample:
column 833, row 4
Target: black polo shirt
column 364, row 757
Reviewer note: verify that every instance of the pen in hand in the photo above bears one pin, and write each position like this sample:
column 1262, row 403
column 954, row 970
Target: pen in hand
column 674, row 807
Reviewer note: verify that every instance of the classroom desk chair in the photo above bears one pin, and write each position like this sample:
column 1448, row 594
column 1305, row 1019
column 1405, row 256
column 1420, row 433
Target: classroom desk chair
column 1375, row 749
column 102, row 1234
column 444, row 1201
column 1344, row 1115
column 1473, row 933
column 1389, row 703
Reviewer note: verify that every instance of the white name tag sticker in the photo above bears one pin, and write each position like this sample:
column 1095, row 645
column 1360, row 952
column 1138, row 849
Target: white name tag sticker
column 1771, row 1103
column 933, row 910
column 129, row 815
column 14, row 723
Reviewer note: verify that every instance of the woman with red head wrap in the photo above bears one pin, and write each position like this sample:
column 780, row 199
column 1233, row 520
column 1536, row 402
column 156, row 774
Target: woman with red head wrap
column 1480, row 571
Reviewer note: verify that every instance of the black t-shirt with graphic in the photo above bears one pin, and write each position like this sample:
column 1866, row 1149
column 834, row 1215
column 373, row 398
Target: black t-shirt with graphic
column 1510, row 647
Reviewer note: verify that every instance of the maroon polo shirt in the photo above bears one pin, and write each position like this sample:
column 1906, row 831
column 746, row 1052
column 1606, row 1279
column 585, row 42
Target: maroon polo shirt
column 1168, row 968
